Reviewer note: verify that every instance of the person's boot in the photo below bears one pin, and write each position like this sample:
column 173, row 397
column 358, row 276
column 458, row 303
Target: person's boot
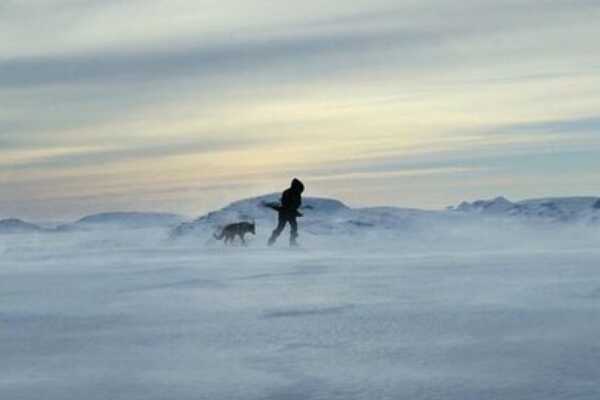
column 293, row 241
column 272, row 240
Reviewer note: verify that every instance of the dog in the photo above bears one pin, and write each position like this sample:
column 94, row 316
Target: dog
column 240, row 229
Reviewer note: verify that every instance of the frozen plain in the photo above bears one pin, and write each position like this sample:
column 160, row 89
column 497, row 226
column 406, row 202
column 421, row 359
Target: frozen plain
column 129, row 314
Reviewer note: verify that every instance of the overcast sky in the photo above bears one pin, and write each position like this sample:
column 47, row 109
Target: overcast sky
column 185, row 105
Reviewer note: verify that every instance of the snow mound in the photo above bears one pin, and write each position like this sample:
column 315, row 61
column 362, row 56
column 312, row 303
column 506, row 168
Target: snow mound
column 14, row 225
column 498, row 205
column 130, row 219
column 560, row 209
column 315, row 210
column 322, row 217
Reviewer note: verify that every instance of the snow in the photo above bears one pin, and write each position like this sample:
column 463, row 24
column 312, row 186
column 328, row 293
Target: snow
column 378, row 303
column 133, row 219
column 318, row 211
column 496, row 206
column 14, row 225
column 564, row 210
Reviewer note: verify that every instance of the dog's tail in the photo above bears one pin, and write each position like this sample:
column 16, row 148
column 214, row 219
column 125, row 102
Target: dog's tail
column 221, row 236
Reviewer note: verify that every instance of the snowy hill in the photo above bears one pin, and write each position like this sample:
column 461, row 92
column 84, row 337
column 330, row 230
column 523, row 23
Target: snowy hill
column 562, row 209
column 328, row 217
column 254, row 209
column 14, row 225
column 126, row 219
column 322, row 216
column 498, row 205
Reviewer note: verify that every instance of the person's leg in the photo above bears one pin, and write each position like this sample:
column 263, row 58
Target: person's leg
column 278, row 230
column 294, row 231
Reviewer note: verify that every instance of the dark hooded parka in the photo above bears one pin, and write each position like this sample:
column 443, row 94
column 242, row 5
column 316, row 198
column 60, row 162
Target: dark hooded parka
column 291, row 200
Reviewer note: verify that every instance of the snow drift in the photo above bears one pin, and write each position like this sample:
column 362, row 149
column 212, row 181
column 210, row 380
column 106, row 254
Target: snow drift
column 566, row 209
column 14, row 225
column 124, row 220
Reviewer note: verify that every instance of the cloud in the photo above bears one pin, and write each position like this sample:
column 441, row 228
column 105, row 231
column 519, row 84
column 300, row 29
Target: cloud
column 588, row 124
column 99, row 94
column 360, row 32
column 407, row 172
column 117, row 66
column 84, row 157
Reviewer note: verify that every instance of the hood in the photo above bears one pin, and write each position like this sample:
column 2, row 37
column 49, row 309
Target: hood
column 297, row 186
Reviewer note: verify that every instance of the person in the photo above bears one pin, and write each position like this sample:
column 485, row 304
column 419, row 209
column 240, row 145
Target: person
column 291, row 200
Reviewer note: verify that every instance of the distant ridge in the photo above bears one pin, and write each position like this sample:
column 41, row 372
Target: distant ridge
column 132, row 219
column 14, row 225
column 253, row 209
column 551, row 209
column 330, row 216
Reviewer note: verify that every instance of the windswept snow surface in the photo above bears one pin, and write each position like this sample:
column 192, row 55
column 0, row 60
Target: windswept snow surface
column 378, row 304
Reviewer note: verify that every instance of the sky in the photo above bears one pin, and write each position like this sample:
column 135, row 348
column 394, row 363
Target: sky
column 187, row 105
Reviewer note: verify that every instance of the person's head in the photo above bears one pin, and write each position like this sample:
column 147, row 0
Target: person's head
column 297, row 186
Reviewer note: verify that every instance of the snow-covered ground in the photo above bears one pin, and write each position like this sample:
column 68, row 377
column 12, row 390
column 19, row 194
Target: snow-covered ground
column 377, row 304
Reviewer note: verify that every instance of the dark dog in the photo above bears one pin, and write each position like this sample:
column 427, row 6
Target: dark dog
column 240, row 229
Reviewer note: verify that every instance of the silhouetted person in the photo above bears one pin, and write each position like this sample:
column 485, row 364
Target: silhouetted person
column 291, row 200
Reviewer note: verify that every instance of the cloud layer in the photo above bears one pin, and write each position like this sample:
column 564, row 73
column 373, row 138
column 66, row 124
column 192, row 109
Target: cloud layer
column 183, row 105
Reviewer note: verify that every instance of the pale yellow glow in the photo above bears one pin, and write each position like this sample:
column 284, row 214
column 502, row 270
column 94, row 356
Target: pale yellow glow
column 24, row 157
column 308, row 129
